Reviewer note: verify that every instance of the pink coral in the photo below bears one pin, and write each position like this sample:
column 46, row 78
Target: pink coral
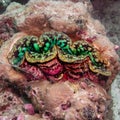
column 7, row 28
column 29, row 108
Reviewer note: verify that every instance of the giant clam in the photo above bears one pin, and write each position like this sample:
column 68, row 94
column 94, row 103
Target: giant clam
column 56, row 57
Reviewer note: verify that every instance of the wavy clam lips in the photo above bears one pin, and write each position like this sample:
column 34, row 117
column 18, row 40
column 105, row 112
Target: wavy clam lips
column 52, row 68
column 76, row 71
column 31, row 71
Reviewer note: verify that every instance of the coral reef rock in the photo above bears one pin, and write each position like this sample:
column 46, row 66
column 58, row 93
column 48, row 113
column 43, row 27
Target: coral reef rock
column 11, row 105
column 65, row 100
column 59, row 57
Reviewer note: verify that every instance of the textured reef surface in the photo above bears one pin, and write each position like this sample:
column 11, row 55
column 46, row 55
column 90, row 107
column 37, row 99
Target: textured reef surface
column 7, row 29
column 57, row 64
column 11, row 105
column 83, row 100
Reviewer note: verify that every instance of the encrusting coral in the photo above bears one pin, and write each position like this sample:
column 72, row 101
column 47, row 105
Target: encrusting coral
column 7, row 28
column 83, row 100
column 12, row 106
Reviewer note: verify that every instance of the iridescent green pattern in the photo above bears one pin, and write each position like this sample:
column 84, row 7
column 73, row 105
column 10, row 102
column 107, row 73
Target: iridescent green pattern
column 56, row 44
